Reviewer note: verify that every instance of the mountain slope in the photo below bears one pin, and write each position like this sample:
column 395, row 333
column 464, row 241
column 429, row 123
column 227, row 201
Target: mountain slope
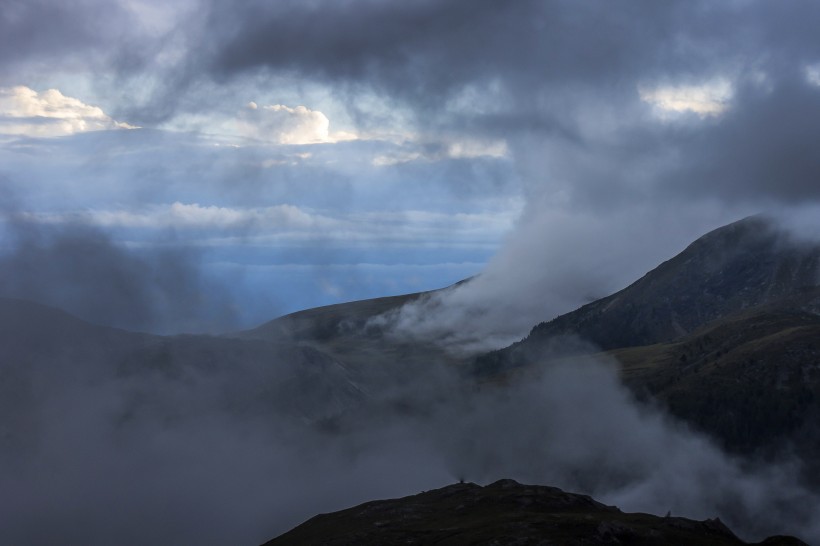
column 750, row 380
column 323, row 323
column 739, row 266
column 376, row 360
column 725, row 336
column 504, row 513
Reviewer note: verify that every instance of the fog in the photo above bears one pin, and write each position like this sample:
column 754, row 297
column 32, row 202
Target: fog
column 136, row 439
column 109, row 436
column 552, row 263
column 79, row 268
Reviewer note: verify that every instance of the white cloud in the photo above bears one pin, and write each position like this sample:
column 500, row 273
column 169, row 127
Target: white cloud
column 196, row 216
column 25, row 112
column 396, row 158
column 467, row 148
column 288, row 125
column 707, row 99
column 159, row 18
column 813, row 74
column 418, row 149
column 283, row 224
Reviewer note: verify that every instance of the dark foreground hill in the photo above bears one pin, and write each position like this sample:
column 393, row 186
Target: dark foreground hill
column 504, row 513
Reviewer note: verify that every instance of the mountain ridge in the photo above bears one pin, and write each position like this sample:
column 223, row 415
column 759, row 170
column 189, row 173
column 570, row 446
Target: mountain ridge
column 741, row 265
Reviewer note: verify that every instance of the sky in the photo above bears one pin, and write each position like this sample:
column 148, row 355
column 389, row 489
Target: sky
column 280, row 155
column 205, row 166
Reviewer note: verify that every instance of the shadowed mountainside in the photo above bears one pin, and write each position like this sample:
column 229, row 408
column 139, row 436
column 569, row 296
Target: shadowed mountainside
column 736, row 267
column 724, row 335
column 374, row 358
column 504, row 513
column 327, row 322
column 751, row 381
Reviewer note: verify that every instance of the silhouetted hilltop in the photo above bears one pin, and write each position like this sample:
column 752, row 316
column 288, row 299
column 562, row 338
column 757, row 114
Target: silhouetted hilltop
column 504, row 513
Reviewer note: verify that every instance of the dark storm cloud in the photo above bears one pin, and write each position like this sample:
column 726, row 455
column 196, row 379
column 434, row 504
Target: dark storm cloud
column 764, row 146
column 418, row 53
column 422, row 54
column 425, row 49
column 35, row 31
column 556, row 63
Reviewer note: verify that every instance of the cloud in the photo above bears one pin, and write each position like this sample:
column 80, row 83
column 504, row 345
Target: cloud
column 553, row 262
column 285, row 125
column 561, row 94
column 45, row 33
column 709, row 99
column 813, row 74
column 201, row 440
column 193, row 215
column 26, row 112
column 79, row 268
column 442, row 148
column 757, row 152
column 289, row 224
column 554, row 74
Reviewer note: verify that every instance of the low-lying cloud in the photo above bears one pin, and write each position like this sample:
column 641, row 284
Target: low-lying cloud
column 78, row 268
column 552, row 263
column 182, row 449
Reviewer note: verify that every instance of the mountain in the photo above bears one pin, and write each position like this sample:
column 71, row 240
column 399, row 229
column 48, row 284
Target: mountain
column 751, row 378
column 736, row 267
column 504, row 513
column 350, row 333
column 328, row 322
column 725, row 336
column 722, row 335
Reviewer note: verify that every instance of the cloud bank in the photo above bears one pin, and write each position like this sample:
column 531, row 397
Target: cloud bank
column 156, row 442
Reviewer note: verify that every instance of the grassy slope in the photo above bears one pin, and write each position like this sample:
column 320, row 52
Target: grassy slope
column 751, row 379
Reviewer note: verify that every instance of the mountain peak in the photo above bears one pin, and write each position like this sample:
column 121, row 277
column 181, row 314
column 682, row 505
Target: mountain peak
column 735, row 267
